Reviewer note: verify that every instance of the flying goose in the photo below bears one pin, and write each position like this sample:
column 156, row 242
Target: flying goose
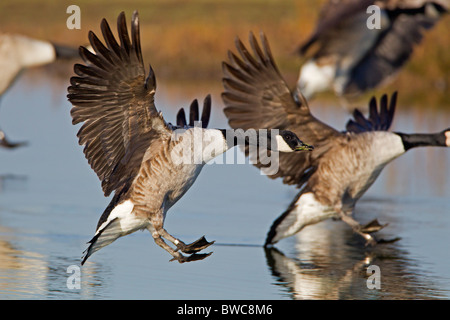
column 348, row 57
column 133, row 151
column 342, row 166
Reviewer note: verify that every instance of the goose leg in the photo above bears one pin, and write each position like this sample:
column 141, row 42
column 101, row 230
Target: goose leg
column 363, row 231
column 159, row 233
column 193, row 247
column 160, row 242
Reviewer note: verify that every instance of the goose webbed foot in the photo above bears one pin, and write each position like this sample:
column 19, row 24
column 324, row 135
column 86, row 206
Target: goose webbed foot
column 366, row 230
column 193, row 257
column 375, row 226
column 372, row 226
column 195, row 246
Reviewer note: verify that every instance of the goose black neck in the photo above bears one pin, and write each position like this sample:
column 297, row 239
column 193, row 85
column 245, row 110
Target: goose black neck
column 64, row 52
column 423, row 140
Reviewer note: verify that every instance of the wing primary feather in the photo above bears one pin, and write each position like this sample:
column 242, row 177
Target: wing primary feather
column 109, row 38
column 374, row 116
column 360, row 119
column 268, row 52
column 150, row 82
column 123, row 33
column 256, row 49
column 247, row 57
column 91, row 58
column 391, row 110
column 206, row 112
column 135, row 36
column 181, row 118
column 193, row 113
column 98, row 47
column 379, row 119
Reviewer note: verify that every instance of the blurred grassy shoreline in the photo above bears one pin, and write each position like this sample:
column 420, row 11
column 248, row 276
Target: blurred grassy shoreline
column 186, row 41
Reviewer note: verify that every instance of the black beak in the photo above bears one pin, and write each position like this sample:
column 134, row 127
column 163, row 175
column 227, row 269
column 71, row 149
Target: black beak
column 303, row 147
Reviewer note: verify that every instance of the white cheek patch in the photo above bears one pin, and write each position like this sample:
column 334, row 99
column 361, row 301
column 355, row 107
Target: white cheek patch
column 282, row 146
column 447, row 138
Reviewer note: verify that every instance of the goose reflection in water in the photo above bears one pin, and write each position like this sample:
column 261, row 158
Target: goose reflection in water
column 331, row 263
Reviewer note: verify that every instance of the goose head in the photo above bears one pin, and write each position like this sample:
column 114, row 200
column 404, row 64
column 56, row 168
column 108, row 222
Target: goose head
column 287, row 141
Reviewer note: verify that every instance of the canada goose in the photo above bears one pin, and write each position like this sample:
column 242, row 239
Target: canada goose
column 18, row 52
column 342, row 166
column 348, row 57
column 133, row 151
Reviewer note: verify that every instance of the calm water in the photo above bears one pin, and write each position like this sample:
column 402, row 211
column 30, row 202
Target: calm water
column 50, row 202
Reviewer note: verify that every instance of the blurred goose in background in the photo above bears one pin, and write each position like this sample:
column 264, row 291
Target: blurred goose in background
column 342, row 166
column 131, row 148
column 18, row 52
column 349, row 58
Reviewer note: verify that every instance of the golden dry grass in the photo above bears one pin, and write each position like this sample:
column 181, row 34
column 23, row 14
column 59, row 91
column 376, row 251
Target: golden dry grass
column 187, row 40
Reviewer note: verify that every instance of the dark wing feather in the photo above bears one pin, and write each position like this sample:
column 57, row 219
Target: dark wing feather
column 181, row 118
column 194, row 114
column 378, row 120
column 256, row 96
column 206, row 112
column 115, row 102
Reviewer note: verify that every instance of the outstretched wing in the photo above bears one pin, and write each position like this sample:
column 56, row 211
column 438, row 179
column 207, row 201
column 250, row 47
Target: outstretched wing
column 115, row 102
column 378, row 120
column 256, row 96
column 194, row 114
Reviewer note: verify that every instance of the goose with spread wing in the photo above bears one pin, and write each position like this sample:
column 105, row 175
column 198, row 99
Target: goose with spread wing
column 342, row 166
column 358, row 45
column 133, row 151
